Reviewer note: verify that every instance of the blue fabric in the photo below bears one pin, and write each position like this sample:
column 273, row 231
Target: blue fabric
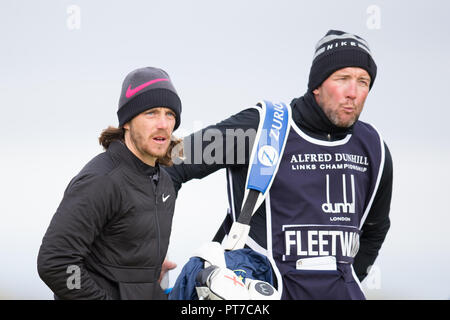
column 244, row 262
column 270, row 145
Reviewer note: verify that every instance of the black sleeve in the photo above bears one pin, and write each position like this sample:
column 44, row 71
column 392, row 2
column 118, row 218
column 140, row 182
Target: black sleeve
column 377, row 223
column 226, row 144
column 88, row 203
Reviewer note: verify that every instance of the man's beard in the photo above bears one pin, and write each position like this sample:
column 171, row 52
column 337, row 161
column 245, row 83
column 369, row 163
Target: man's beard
column 334, row 117
column 139, row 142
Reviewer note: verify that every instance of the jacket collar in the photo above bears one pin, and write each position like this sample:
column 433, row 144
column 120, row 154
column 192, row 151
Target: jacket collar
column 121, row 153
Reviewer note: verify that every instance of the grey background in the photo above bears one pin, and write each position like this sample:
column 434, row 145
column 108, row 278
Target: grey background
column 60, row 87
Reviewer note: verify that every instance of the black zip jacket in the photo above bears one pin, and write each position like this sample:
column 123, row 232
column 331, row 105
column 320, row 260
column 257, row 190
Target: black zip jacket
column 312, row 120
column 112, row 227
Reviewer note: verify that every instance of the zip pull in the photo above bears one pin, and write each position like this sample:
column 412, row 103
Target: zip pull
column 329, row 136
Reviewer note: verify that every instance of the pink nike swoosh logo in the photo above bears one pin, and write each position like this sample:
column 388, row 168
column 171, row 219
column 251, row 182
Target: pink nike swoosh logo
column 131, row 92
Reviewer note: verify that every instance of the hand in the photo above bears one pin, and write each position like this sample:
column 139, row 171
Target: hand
column 166, row 266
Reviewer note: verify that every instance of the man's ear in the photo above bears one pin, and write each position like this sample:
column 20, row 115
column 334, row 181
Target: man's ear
column 126, row 126
column 316, row 91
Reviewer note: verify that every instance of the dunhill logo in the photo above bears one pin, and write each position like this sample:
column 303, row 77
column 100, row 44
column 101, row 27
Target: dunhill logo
column 344, row 206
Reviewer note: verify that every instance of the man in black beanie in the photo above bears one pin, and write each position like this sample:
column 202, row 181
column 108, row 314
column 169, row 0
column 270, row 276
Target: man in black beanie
column 327, row 212
column 337, row 50
column 109, row 236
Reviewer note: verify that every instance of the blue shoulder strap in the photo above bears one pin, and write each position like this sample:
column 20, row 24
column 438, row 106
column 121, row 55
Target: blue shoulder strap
column 268, row 147
column 265, row 159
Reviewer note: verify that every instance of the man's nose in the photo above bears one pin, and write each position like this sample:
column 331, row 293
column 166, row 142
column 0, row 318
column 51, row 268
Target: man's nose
column 351, row 89
column 163, row 122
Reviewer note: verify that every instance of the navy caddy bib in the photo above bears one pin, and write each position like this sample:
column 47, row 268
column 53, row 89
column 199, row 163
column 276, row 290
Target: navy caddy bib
column 316, row 207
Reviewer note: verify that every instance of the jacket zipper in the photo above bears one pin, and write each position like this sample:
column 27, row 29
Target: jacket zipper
column 157, row 221
column 329, row 136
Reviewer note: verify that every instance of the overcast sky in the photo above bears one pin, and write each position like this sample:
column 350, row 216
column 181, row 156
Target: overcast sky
column 63, row 62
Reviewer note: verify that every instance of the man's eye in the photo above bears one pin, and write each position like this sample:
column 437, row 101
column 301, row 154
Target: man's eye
column 364, row 82
column 171, row 114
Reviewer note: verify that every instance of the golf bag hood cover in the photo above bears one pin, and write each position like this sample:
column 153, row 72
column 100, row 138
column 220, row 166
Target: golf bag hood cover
column 245, row 263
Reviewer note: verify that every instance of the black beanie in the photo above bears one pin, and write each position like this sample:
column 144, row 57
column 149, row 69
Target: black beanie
column 147, row 88
column 337, row 50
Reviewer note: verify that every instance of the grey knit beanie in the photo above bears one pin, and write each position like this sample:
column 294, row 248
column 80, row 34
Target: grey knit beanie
column 147, row 88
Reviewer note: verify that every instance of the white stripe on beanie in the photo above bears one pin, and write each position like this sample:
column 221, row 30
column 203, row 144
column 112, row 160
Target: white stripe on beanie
column 324, row 43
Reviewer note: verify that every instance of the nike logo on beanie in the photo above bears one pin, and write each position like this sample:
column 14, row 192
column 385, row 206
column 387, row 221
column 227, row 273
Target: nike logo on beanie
column 131, row 92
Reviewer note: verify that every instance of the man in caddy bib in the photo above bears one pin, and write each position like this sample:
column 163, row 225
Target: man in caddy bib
column 327, row 212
